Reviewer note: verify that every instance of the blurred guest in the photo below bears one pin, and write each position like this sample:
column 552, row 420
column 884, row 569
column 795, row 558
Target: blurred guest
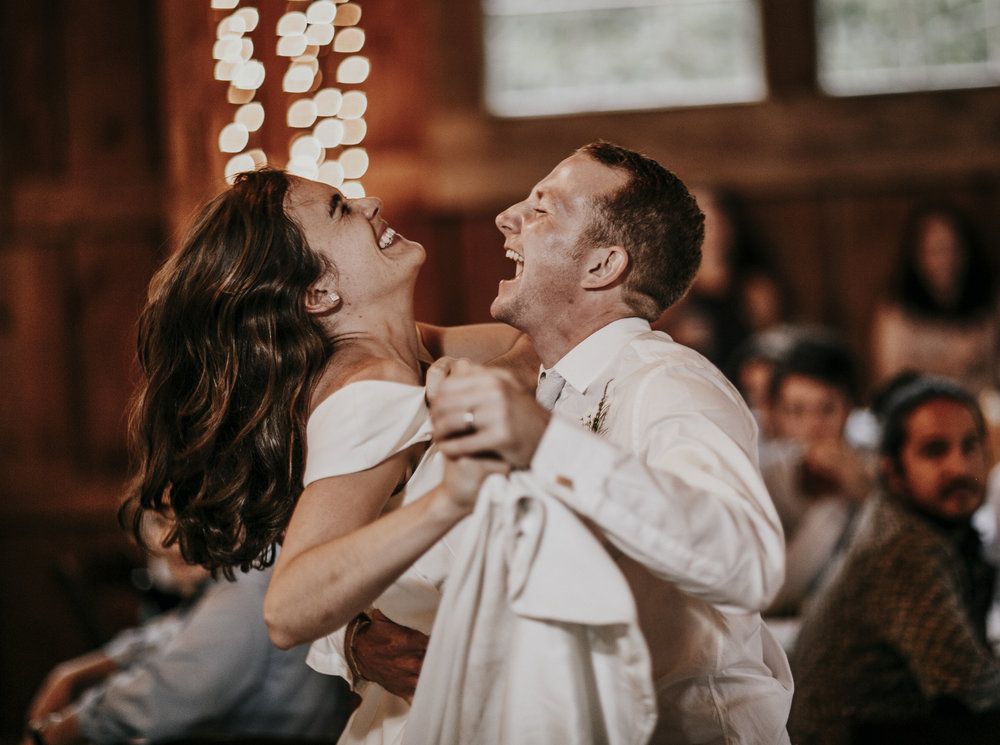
column 207, row 668
column 736, row 291
column 752, row 364
column 939, row 315
column 895, row 647
column 815, row 477
column 987, row 524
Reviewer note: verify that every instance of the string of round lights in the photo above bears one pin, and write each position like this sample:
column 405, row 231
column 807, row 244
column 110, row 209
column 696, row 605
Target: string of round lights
column 326, row 123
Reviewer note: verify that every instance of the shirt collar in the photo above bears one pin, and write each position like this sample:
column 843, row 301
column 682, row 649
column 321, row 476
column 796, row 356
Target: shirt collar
column 584, row 363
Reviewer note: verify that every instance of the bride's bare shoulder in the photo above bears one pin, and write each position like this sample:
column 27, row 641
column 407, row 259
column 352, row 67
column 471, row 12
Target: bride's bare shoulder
column 352, row 367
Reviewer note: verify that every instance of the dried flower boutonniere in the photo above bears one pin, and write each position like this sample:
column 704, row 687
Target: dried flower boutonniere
column 595, row 420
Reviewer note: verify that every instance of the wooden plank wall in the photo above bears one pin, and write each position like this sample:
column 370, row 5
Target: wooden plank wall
column 81, row 227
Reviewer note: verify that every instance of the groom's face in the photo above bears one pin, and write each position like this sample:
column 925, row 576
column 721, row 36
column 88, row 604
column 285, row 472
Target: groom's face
column 542, row 235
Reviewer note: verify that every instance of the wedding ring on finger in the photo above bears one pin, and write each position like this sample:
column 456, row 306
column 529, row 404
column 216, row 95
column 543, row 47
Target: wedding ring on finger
column 469, row 418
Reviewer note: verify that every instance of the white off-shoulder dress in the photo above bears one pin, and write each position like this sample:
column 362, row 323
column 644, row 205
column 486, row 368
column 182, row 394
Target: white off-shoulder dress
column 354, row 429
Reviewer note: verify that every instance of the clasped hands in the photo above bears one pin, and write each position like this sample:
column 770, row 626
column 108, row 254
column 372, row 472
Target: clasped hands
column 484, row 421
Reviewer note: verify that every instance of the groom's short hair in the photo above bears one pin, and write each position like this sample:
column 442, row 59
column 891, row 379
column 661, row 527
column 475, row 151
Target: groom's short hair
column 656, row 220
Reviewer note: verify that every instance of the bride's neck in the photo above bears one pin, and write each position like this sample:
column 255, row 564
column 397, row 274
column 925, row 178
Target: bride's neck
column 393, row 338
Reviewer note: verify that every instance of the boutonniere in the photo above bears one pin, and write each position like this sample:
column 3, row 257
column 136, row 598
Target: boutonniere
column 594, row 421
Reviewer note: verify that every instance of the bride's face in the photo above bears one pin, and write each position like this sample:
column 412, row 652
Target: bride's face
column 369, row 257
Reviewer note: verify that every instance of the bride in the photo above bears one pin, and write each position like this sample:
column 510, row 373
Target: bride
column 282, row 402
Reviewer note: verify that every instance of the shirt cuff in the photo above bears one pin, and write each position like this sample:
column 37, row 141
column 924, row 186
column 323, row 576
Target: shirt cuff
column 573, row 464
column 326, row 655
column 98, row 723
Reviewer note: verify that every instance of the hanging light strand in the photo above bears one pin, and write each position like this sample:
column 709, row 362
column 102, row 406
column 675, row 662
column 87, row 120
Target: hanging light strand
column 325, row 124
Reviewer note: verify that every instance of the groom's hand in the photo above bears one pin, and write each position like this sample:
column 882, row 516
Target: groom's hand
column 390, row 654
column 480, row 410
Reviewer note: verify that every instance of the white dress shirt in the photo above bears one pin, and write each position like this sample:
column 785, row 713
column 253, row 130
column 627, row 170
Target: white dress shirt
column 673, row 483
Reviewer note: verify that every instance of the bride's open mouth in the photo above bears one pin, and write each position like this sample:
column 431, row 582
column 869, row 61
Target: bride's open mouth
column 386, row 239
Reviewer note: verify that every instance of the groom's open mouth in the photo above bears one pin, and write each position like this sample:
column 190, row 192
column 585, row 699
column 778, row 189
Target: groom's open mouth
column 518, row 261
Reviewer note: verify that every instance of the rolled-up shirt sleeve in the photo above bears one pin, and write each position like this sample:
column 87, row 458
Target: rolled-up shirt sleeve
column 675, row 485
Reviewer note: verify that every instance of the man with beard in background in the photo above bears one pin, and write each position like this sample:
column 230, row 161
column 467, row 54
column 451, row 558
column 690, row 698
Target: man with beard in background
column 895, row 649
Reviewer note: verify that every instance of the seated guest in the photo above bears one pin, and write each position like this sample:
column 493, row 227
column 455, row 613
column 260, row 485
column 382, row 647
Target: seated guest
column 895, row 647
column 205, row 669
column 815, row 477
column 752, row 365
column 939, row 313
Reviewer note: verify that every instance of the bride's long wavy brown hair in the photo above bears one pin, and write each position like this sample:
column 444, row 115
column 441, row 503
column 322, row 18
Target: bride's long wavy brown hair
column 227, row 355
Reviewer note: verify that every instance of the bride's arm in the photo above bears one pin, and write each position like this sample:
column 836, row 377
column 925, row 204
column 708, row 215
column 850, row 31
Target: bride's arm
column 339, row 555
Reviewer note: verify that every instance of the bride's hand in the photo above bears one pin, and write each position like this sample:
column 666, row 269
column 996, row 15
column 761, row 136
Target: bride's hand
column 437, row 372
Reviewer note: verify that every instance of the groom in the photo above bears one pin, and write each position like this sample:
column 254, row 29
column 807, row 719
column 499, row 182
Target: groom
column 641, row 437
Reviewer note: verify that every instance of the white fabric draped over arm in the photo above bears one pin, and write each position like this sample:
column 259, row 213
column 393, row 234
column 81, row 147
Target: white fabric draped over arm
column 536, row 639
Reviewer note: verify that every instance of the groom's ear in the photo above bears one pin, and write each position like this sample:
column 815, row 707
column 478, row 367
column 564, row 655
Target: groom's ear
column 606, row 265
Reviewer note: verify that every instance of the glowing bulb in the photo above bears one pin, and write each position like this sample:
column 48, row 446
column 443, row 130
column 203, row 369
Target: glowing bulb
column 331, row 173
column 238, row 97
column 251, row 116
column 230, row 26
column 303, row 167
column 321, row 34
column 352, row 190
column 224, row 70
column 349, row 40
column 354, row 131
column 309, row 61
column 328, row 102
column 348, row 14
column 291, row 46
column 302, row 113
column 353, row 70
column 250, row 18
column 249, row 76
column 224, row 4
column 330, row 132
column 292, row 24
column 354, row 162
column 233, row 138
column 228, row 50
column 298, row 79
column 308, row 147
column 259, row 158
column 354, row 106
column 322, row 11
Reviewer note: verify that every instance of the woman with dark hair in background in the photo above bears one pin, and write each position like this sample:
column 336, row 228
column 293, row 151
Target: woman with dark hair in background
column 939, row 315
column 279, row 350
